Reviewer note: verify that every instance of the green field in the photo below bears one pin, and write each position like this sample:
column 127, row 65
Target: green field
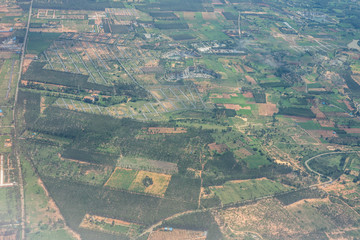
column 7, row 204
column 239, row 99
column 254, row 161
column 48, row 234
column 232, row 192
column 39, row 42
column 122, row 178
column 310, row 125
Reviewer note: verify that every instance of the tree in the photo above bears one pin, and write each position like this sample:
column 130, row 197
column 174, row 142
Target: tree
column 147, row 181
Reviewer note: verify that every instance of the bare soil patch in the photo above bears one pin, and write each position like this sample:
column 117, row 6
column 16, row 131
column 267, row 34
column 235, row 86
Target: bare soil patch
column 267, row 109
column 248, row 95
column 322, row 133
column 209, row 15
column 42, row 104
column 326, row 123
column 235, row 106
column 352, row 130
column 168, row 105
column 8, row 234
column 6, row 55
column 220, row 148
column 243, row 153
column 248, row 69
column 158, row 130
column 356, row 78
column 319, row 114
column 250, row 79
column 298, row 119
column 347, row 103
column 157, row 94
column 189, row 15
column 238, row 68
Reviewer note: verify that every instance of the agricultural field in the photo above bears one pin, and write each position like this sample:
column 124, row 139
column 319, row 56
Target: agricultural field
column 237, row 191
column 216, row 119
column 109, row 225
column 139, row 181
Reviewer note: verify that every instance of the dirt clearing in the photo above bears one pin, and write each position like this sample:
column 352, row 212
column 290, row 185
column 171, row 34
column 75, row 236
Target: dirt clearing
column 159, row 130
column 267, row 109
column 209, row 16
column 250, row 79
column 220, row 148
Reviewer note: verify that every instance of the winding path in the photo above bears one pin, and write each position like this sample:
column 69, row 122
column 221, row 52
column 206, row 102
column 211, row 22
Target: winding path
column 319, row 174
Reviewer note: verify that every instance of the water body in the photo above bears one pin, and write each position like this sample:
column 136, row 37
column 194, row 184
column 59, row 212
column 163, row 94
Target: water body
column 354, row 45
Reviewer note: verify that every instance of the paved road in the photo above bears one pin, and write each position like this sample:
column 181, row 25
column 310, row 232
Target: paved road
column 21, row 182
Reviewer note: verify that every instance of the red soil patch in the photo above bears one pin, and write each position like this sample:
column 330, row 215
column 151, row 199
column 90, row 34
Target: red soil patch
column 215, row 95
column 267, row 109
column 209, row 15
column 250, row 79
column 356, row 78
column 8, row 234
column 248, row 95
column 239, row 68
column 248, row 69
column 242, row 153
column 235, row 106
column 27, row 60
column 351, row 130
column 6, row 55
column 326, row 123
column 348, row 105
column 298, row 119
column 323, row 133
column 220, row 148
column 319, row 114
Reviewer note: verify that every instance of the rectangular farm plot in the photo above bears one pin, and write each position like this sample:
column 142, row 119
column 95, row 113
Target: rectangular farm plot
column 159, row 184
column 139, row 181
column 109, row 225
column 236, row 191
column 138, row 163
column 121, row 178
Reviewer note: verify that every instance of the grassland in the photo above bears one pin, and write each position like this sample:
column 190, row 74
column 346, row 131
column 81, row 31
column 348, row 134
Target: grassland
column 8, row 211
column 305, row 219
column 38, row 42
column 237, row 191
column 43, row 215
column 121, row 178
